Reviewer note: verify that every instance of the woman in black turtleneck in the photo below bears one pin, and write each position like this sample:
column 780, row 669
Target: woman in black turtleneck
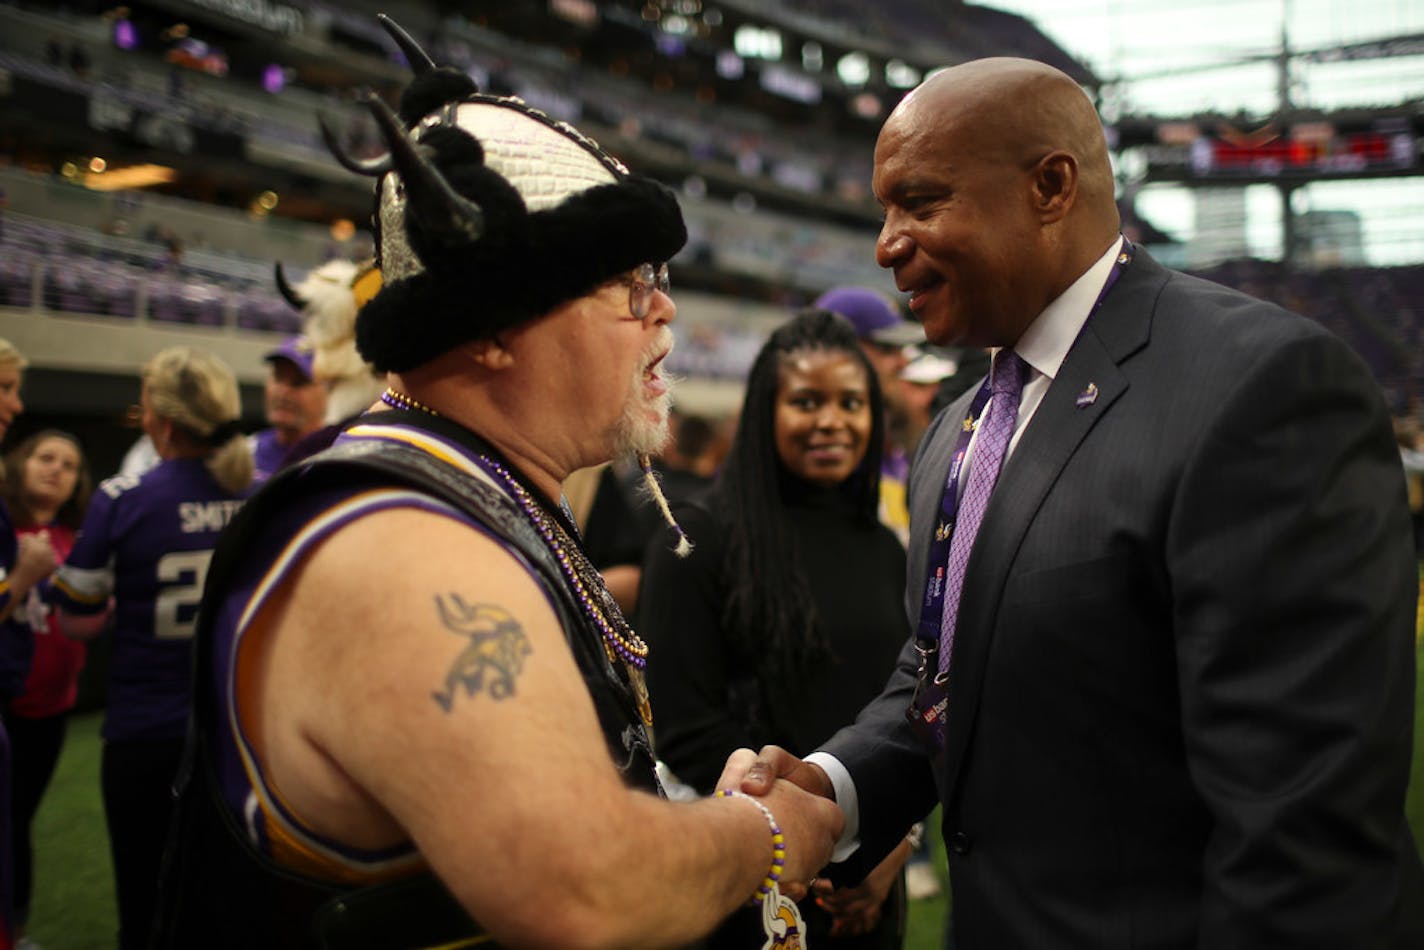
column 789, row 614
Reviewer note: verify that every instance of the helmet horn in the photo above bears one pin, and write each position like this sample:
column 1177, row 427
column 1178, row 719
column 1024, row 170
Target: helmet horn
column 447, row 216
column 286, row 290
column 372, row 167
column 420, row 62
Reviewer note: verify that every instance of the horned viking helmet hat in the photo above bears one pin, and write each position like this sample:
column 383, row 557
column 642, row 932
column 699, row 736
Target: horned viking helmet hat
column 490, row 213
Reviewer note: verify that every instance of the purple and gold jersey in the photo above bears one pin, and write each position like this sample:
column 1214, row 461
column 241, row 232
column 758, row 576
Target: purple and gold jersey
column 146, row 542
column 408, row 463
column 239, row 628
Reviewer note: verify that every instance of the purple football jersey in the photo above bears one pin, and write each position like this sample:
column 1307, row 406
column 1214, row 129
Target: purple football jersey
column 267, row 454
column 146, row 542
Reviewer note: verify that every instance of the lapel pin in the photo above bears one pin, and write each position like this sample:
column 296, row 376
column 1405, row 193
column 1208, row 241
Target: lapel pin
column 1088, row 396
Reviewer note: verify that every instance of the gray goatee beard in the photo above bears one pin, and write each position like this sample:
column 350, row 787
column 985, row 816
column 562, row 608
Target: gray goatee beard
column 635, row 433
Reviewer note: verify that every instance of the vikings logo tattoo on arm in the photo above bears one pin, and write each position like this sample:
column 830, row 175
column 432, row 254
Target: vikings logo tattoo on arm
column 494, row 657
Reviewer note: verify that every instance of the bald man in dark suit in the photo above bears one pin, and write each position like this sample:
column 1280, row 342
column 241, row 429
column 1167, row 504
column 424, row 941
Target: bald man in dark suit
column 1175, row 697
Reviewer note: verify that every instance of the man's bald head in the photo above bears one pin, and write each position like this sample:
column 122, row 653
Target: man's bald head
column 998, row 192
column 1018, row 110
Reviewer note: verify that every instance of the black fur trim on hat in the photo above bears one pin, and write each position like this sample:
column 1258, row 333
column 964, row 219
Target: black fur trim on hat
column 517, row 273
column 604, row 231
column 431, row 90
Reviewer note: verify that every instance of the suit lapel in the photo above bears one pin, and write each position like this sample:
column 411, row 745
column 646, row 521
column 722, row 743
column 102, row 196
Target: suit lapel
column 1087, row 385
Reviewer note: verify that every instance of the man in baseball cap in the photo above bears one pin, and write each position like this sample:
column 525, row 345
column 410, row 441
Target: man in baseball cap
column 295, row 404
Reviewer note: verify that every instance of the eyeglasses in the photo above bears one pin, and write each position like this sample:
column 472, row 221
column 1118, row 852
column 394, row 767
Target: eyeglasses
column 641, row 284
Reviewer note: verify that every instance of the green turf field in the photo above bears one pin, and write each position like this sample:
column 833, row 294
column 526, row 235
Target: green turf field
column 74, row 895
column 73, row 906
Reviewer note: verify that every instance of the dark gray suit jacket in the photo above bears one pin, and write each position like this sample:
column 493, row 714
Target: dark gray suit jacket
column 1181, row 693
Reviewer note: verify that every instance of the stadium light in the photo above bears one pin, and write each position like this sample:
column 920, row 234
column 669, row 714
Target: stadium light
column 853, row 69
column 754, row 42
column 901, row 75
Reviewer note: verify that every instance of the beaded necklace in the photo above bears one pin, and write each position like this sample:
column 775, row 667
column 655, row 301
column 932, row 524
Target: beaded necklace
column 399, row 400
column 620, row 642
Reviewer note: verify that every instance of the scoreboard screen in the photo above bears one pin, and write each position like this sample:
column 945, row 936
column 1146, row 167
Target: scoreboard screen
column 1315, row 151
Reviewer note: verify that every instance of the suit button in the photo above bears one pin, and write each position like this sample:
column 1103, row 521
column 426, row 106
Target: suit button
column 959, row 842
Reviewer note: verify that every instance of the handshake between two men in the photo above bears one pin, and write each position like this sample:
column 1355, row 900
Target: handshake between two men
column 801, row 798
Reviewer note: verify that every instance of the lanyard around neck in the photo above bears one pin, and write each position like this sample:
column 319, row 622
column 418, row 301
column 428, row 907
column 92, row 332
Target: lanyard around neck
column 927, row 631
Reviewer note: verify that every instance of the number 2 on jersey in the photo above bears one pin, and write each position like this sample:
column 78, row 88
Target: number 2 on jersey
column 175, row 609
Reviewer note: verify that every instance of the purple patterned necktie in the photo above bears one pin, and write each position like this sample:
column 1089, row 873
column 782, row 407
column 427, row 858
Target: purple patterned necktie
column 996, row 428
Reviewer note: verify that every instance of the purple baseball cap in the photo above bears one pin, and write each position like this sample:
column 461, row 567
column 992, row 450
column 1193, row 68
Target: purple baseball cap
column 298, row 351
column 873, row 314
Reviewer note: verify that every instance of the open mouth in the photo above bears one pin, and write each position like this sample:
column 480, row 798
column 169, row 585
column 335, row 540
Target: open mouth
column 652, row 380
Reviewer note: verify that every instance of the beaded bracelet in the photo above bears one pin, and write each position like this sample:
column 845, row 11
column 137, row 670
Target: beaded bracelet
column 778, row 844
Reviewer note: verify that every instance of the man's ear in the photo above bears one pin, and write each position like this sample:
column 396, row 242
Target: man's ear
column 1055, row 186
column 490, row 353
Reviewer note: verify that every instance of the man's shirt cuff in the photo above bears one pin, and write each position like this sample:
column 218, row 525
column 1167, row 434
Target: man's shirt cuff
column 846, row 798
